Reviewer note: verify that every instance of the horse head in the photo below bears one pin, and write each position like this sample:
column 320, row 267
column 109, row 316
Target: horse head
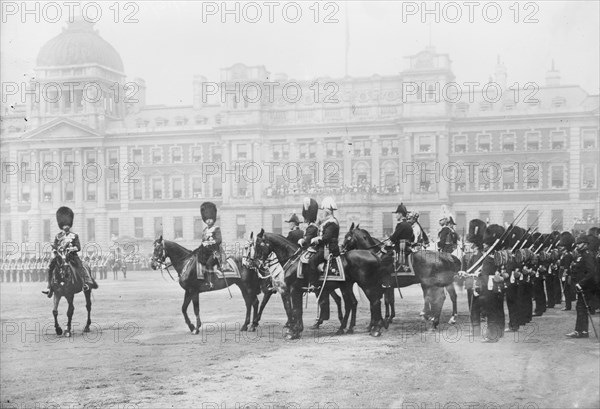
column 349, row 242
column 248, row 253
column 262, row 247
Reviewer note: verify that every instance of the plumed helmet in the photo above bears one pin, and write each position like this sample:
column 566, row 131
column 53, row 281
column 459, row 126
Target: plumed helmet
column 401, row 209
column 492, row 233
column 208, row 210
column 64, row 217
column 293, row 219
column 412, row 216
column 328, row 203
column 476, row 230
column 310, row 208
column 566, row 240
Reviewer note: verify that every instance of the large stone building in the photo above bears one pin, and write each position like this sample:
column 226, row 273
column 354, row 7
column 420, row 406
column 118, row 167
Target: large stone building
column 86, row 138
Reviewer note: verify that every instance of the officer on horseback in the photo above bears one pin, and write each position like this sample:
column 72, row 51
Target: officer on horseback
column 448, row 237
column 403, row 234
column 211, row 241
column 329, row 231
column 68, row 242
column 295, row 233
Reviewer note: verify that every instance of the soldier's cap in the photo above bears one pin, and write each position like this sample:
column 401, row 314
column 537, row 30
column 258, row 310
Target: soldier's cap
column 583, row 239
column 293, row 219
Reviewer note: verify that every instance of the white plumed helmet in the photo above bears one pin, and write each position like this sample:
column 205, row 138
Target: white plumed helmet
column 328, row 203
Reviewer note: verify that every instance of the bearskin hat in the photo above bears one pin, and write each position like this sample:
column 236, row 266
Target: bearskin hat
column 401, row 209
column 476, row 230
column 514, row 236
column 594, row 231
column 310, row 209
column 208, row 210
column 64, row 217
column 566, row 240
column 594, row 243
column 545, row 241
column 492, row 232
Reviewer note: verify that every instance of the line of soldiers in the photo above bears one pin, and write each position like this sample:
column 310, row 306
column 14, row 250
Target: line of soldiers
column 35, row 269
column 532, row 272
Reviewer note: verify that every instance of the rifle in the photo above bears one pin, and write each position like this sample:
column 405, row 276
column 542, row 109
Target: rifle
column 523, row 240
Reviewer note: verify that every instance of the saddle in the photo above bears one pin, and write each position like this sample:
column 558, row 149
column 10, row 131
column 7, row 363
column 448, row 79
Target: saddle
column 401, row 259
column 335, row 272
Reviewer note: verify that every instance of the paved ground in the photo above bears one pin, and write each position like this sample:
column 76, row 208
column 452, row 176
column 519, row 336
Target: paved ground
column 141, row 354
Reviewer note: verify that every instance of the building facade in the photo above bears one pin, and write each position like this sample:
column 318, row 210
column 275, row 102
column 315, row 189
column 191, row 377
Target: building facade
column 256, row 143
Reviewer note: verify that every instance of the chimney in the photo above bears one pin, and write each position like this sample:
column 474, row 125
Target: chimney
column 553, row 77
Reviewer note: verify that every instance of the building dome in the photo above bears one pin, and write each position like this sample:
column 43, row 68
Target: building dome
column 79, row 44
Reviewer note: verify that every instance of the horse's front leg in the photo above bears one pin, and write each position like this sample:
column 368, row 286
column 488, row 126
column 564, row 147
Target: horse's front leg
column 186, row 302
column 57, row 327
column 266, row 297
column 196, row 300
column 453, row 297
column 374, row 296
column 296, row 326
column 88, row 307
column 70, row 310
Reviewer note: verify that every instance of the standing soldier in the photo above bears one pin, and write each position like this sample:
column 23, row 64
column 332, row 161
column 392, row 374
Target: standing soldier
column 295, row 233
column 588, row 284
column 492, row 287
column 511, row 283
column 20, row 266
column 565, row 247
column 473, row 284
column 329, row 231
column 537, row 277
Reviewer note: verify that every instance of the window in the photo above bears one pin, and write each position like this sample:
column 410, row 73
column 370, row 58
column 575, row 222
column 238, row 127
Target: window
column 303, row 150
column 198, row 228
column 462, row 107
column 484, row 180
column 388, row 224
column 217, row 186
column 24, row 231
column 137, row 191
column 47, row 192
column 196, row 154
column 558, row 102
column 157, row 188
column 114, row 227
column 507, row 217
column 90, row 191
column 176, row 156
column 113, row 156
column 8, row 230
column 46, row 231
column 508, row 143
column 113, row 190
column 241, row 226
column 136, row 156
column 277, row 224
column 138, row 227
column 558, row 140
column 91, row 229
column 216, row 155
column 589, row 139
column 557, row 177
column 485, row 216
column 242, row 188
column 425, row 144
column 197, row 187
column 484, row 143
column 177, row 188
column 532, row 176
column 460, row 144
column 532, row 219
column 161, row 122
column 588, row 176
column 25, row 192
column 158, row 229
column 367, row 148
column 242, row 151
column 178, row 227
column 69, row 191
column 330, row 149
column 156, row 155
column 533, row 141
column 460, row 180
column 557, row 220
column 508, row 178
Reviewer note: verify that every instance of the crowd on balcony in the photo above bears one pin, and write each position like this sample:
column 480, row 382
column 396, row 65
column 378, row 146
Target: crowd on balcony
column 311, row 188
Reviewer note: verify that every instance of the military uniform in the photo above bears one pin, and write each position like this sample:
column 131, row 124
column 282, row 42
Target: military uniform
column 492, row 288
column 295, row 233
column 403, row 234
column 448, row 238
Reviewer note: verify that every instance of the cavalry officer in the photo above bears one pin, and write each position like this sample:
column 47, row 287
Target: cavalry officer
column 295, row 233
column 448, row 238
column 329, row 231
column 403, row 234
column 211, row 238
column 588, row 285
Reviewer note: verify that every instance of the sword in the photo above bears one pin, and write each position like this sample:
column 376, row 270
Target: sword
column 588, row 312
column 324, row 278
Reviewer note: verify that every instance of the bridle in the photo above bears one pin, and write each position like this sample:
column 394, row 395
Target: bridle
column 160, row 262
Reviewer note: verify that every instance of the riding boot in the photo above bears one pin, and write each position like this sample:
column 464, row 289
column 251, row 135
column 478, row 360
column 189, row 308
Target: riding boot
column 48, row 291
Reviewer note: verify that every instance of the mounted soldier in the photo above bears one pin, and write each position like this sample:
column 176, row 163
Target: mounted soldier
column 295, row 232
column 448, row 238
column 420, row 237
column 67, row 242
column 327, row 238
column 208, row 254
column 403, row 236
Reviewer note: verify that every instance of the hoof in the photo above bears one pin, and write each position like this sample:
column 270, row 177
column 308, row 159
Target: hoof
column 390, row 320
column 59, row 331
column 291, row 337
column 68, row 334
column 350, row 331
column 386, row 324
column 196, row 331
column 422, row 313
column 86, row 329
column 316, row 325
column 244, row 328
column 191, row 327
column 375, row 333
column 452, row 320
column 339, row 332
column 252, row 328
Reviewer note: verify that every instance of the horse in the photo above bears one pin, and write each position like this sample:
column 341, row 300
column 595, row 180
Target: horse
column 65, row 282
column 248, row 282
column 279, row 286
column 360, row 267
column 433, row 270
column 116, row 265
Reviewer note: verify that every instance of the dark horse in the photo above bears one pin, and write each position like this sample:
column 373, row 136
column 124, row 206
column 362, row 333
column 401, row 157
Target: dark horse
column 66, row 282
column 433, row 270
column 279, row 286
column 360, row 267
column 248, row 283
column 119, row 264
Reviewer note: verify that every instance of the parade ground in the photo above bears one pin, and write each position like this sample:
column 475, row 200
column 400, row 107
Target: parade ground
column 140, row 353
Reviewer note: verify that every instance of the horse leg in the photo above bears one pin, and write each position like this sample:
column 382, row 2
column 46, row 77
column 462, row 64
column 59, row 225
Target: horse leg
column 353, row 308
column 266, row 297
column 248, row 309
column 186, row 302
column 386, row 300
column 88, row 307
column 287, row 305
column 338, row 301
column 254, row 306
column 436, row 296
column 196, row 301
column 70, row 310
column 374, row 297
column 57, row 327
column 296, row 326
column 452, row 293
column 426, row 310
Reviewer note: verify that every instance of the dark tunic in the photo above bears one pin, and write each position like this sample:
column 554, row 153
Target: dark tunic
column 295, row 235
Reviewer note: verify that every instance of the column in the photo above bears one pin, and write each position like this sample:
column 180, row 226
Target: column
column 102, row 230
column 35, row 235
column 122, row 175
column 60, row 179
column 255, row 181
column 375, row 161
column 406, row 179
column 319, row 166
column 442, row 158
column 347, row 163
column 226, row 148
